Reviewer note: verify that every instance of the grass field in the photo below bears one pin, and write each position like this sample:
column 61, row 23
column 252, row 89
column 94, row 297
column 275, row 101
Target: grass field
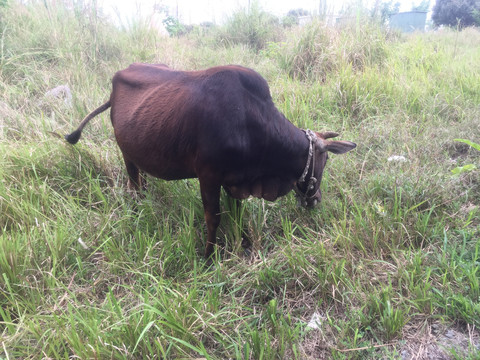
column 389, row 262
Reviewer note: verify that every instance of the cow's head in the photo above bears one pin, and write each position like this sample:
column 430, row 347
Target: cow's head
column 308, row 186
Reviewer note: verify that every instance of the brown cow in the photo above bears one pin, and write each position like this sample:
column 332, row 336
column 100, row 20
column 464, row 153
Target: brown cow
column 219, row 125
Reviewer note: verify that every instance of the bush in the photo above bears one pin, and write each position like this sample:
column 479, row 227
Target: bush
column 175, row 27
column 308, row 53
column 254, row 28
column 367, row 46
column 314, row 51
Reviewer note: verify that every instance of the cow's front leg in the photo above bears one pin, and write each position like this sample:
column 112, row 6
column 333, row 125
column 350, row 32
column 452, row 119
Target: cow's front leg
column 211, row 206
column 237, row 212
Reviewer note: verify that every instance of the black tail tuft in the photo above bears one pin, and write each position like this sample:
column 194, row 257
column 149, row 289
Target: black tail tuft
column 73, row 137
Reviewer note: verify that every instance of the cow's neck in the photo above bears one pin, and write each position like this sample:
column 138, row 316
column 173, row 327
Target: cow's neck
column 291, row 148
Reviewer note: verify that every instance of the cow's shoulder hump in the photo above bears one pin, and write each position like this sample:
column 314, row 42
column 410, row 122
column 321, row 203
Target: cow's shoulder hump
column 247, row 79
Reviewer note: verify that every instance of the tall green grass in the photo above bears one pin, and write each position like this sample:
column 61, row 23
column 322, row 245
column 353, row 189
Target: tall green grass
column 253, row 27
column 88, row 271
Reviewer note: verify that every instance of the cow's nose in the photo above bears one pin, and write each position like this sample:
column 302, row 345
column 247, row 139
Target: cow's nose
column 314, row 200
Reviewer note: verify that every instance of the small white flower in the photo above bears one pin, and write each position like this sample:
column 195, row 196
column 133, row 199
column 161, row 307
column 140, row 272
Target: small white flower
column 398, row 158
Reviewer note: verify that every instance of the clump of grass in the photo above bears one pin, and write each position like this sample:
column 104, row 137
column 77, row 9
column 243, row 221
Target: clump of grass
column 367, row 46
column 308, row 52
column 318, row 51
column 253, row 27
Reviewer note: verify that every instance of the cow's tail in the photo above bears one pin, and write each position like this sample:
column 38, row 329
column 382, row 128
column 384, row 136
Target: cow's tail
column 75, row 136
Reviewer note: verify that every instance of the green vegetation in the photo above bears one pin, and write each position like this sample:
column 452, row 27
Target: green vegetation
column 389, row 261
column 253, row 28
column 458, row 13
column 468, row 167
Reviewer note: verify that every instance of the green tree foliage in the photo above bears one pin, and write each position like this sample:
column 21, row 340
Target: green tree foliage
column 423, row 6
column 293, row 15
column 173, row 26
column 382, row 10
column 460, row 13
column 389, row 8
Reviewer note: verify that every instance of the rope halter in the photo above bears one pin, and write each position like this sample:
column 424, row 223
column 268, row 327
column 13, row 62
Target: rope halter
column 302, row 197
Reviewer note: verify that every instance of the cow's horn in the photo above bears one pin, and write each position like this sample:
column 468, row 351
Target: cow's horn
column 329, row 134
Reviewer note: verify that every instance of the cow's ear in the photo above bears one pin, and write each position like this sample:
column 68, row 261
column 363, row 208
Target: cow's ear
column 339, row 146
column 334, row 146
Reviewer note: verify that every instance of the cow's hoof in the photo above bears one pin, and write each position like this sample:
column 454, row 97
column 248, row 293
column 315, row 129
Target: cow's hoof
column 247, row 252
column 209, row 264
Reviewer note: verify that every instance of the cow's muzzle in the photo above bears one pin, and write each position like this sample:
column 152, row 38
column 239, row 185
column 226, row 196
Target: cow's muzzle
column 313, row 200
column 308, row 201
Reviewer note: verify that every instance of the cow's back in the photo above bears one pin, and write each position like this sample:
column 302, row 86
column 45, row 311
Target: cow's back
column 173, row 123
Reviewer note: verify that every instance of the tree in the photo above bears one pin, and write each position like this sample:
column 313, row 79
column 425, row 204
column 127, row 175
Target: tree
column 387, row 9
column 298, row 12
column 173, row 26
column 292, row 17
column 382, row 10
column 423, row 6
column 460, row 13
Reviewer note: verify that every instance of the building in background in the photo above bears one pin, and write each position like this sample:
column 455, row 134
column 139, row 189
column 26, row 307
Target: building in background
column 408, row 21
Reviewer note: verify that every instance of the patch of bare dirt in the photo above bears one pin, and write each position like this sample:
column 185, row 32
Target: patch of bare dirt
column 423, row 342
column 435, row 342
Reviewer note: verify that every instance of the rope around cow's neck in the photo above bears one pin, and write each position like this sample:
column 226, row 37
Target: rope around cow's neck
column 302, row 197
column 310, row 136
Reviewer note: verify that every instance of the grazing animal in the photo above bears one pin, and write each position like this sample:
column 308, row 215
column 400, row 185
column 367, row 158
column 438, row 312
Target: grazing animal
column 219, row 125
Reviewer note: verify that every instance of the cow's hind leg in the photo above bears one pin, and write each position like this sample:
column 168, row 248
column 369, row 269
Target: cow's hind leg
column 211, row 206
column 134, row 176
